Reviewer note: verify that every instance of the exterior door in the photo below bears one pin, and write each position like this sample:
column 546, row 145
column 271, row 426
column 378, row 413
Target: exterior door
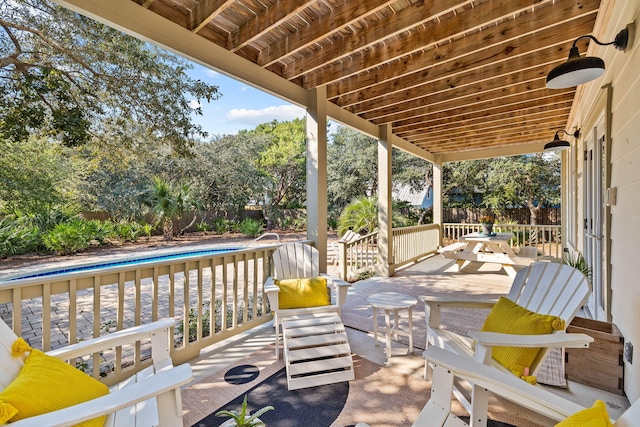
column 593, row 220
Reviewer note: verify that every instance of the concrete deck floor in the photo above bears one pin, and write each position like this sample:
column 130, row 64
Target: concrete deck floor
column 220, row 355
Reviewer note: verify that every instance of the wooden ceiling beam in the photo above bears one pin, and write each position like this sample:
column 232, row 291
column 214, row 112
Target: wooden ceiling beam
column 531, row 107
column 427, row 38
column 401, row 35
column 456, row 58
column 486, row 125
column 474, row 93
column 456, row 122
column 340, row 18
column 488, row 100
column 564, row 96
column 515, row 128
column 264, row 22
column 205, row 12
column 524, row 136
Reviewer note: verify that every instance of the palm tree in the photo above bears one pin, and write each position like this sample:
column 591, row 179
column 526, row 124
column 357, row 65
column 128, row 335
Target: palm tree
column 361, row 216
column 164, row 204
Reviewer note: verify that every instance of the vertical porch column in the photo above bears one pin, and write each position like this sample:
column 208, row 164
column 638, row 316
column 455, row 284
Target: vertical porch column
column 437, row 196
column 385, row 267
column 317, row 172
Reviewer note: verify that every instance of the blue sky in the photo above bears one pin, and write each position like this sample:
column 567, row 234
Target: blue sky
column 240, row 106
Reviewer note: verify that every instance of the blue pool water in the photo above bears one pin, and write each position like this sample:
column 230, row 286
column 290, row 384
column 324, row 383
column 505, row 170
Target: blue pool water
column 128, row 261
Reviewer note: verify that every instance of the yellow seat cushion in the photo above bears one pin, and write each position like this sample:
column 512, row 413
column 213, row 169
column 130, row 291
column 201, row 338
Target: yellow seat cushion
column 508, row 317
column 46, row 384
column 303, row 293
column 596, row 416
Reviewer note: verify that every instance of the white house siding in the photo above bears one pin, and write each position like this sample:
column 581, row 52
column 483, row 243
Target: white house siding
column 623, row 72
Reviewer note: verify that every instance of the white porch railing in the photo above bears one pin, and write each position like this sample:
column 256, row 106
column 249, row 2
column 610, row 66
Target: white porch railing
column 212, row 297
column 546, row 238
column 409, row 245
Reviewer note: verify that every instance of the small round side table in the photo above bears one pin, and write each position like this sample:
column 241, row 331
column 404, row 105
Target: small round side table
column 392, row 303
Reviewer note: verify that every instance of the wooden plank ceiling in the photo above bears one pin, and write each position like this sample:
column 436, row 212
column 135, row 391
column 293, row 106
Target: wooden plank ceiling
column 450, row 76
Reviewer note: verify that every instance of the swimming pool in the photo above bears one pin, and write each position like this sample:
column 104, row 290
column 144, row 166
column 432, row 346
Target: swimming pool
column 123, row 262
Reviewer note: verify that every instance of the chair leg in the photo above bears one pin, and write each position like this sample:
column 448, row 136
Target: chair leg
column 276, row 324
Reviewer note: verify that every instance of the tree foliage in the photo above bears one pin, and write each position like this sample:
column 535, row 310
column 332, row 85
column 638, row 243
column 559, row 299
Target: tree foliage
column 531, row 181
column 353, row 168
column 65, row 75
column 35, row 176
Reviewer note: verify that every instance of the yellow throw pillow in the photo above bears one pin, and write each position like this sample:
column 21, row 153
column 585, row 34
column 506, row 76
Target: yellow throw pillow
column 46, row 384
column 302, row 293
column 596, row 416
column 508, row 317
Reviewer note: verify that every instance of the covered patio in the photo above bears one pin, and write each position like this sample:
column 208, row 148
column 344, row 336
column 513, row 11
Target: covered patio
column 445, row 81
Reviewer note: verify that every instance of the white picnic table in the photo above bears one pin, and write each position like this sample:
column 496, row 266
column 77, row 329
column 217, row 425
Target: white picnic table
column 493, row 248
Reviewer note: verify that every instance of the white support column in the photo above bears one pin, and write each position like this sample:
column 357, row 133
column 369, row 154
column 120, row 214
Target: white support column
column 437, row 194
column 385, row 228
column 317, row 172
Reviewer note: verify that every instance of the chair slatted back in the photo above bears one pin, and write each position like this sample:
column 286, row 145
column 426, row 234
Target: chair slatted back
column 9, row 366
column 551, row 288
column 296, row 260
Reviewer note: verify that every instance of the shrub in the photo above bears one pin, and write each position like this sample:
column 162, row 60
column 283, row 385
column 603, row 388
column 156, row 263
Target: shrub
column 67, row 238
column 250, row 227
column 18, row 237
column 203, row 227
column 220, row 225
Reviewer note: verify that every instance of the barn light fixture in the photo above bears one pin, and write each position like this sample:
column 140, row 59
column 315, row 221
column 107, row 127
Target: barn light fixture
column 578, row 70
column 559, row 144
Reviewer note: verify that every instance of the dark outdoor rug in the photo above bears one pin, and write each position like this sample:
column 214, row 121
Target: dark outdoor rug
column 317, row 406
column 379, row 396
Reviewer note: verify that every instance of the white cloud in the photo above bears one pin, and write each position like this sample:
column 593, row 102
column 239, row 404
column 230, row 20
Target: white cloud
column 212, row 73
column 255, row 117
column 194, row 104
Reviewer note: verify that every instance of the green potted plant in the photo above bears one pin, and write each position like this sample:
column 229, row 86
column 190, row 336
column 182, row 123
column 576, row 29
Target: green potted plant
column 243, row 418
column 487, row 224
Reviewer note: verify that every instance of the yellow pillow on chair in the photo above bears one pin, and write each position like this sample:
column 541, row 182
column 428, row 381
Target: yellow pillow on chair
column 46, row 384
column 509, row 318
column 303, row 293
column 595, row 416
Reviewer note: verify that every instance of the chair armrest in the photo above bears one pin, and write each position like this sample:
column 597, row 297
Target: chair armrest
column 271, row 289
column 158, row 331
column 154, row 385
column 485, row 341
column 341, row 287
column 458, row 302
column 434, row 304
column 561, row 339
column 503, row 384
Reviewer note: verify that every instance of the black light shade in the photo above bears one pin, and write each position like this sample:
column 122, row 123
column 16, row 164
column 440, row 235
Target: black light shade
column 578, row 70
column 575, row 71
column 558, row 144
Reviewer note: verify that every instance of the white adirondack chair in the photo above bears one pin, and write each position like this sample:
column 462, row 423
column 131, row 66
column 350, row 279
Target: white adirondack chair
column 543, row 287
column 348, row 237
column 148, row 398
column 314, row 338
column 447, row 367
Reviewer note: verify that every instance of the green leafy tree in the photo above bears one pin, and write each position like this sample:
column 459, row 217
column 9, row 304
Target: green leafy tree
column 36, row 175
column 353, row 168
column 531, row 181
column 282, row 164
column 65, row 75
column 464, row 183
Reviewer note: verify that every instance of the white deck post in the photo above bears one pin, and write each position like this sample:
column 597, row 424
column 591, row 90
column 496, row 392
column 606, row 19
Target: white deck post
column 317, row 172
column 385, row 228
column 437, row 195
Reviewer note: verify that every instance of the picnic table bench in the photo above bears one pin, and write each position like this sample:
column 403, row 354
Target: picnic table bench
column 495, row 248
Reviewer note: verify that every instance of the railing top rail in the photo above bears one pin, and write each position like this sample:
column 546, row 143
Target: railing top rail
column 117, row 265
